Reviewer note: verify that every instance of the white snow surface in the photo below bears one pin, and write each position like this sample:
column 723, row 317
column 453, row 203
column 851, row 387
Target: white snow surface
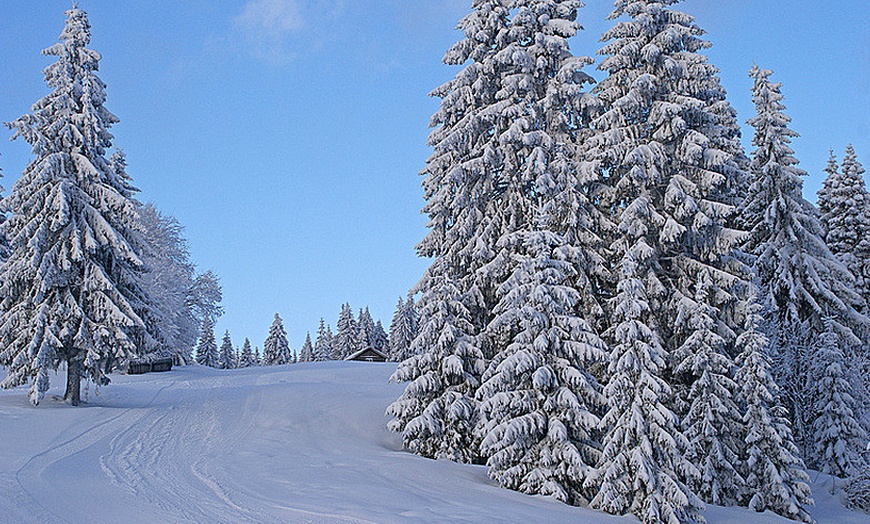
column 296, row 443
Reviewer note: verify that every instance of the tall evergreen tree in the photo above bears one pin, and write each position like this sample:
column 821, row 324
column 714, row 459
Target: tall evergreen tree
column 802, row 282
column 774, row 475
column 71, row 289
column 666, row 146
column 206, row 348
column 276, row 350
column 227, row 358
column 246, row 357
column 323, row 343
column 306, row 354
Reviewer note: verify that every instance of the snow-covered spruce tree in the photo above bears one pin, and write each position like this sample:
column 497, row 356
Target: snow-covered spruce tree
column 539, row 401
column 856, row 493
column 379, row 339
column 258, row 361
column 801, row 281
column 400, row 333
column 838, row 438
column 462, row 185
column 774, row 474
column 227, row 356
column 306, row 354
column 345, row 339
column 207, row 349
column 71, row 292
column 437, row 413
column 642, row 463
column 276, row 350
column 844, row 207
column 246, row 357
column 323, row 343
column 366, row 324
column 712, row 424
column 666, row 147
column 539, row 409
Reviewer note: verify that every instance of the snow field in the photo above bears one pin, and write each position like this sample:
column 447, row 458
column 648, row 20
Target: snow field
column 301, row 443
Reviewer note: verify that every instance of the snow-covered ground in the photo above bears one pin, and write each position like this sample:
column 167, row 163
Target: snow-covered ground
column 301, row 443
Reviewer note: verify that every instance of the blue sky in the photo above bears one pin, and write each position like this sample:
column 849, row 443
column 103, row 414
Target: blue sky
column 286, row 135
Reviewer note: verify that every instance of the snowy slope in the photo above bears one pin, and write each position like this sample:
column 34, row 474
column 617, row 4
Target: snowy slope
column 301, row 443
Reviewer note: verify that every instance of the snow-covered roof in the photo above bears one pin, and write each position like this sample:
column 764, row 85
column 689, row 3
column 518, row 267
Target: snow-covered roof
column 366, row 350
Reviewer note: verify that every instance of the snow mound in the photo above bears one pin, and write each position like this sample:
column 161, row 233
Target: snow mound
column 300, row 443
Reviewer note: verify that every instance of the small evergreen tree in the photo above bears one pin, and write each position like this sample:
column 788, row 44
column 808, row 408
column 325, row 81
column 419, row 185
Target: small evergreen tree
column 227, row 359
column 774, row 475
column 379, row 339
column 437, row 413
column 539, row 404
column 345, row 341
column 323, row 343
column 206, row 348
column 258, row 361
column 246, row 357
column 838, row 438
column 402, row 330
column 306, row 354
column 276, row 350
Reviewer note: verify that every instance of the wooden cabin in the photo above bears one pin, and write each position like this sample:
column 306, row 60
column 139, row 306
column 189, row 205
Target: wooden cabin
column 368, row 355
column 155, row 365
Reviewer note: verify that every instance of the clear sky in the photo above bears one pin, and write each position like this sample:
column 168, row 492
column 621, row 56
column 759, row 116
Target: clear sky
column 286, row 135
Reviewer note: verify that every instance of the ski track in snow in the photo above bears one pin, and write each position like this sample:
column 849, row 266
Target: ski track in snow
column 303, row 443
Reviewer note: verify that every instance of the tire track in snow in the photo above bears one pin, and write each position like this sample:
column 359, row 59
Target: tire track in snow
column 31, row 473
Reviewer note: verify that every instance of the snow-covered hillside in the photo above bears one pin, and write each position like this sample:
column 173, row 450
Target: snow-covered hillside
column 301, row 443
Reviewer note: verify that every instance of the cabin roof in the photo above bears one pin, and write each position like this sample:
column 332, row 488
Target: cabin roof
column 364, row 351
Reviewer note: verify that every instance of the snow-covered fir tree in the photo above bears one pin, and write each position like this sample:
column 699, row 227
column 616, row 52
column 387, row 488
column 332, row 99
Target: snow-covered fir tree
column 306, row 354
column 643, row 466
column 801, row 281
column 712, row 424
column 540, row 404
column 856, row 493
column 71, row 288
column 258, row 361
column 379, row 339
column 437, row 412
column 401, row 334
column 366, row 325
column 246, row 356
column 344, row 342
column 838, row 438
column 666, row 147
column 323, row 343
column 844, row 207
column 227, row 356
column 774, row 474
column 276, row 350
column 207, row 349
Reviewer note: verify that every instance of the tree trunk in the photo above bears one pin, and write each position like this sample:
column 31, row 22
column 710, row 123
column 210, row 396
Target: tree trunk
column 73, row 382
